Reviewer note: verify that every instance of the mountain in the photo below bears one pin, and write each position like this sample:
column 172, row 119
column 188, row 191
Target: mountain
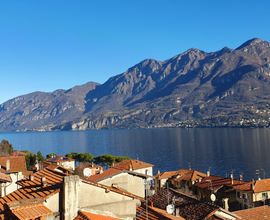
column 194, row 86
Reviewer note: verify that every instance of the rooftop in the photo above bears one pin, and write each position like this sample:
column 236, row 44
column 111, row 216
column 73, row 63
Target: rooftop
column 16, row 164
column 217, row 182
column 259, row 186
column 107, row 173
column 189, row 208
column 190, row 175
column 134, row 164
column 42, row 184
column 254, row 213
column 29, row 210
column 165, row 175
column 59, row 159
column 154, row 214
column 5, row 178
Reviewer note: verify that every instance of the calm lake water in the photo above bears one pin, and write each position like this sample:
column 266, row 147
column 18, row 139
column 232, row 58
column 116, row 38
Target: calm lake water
column 222, row 150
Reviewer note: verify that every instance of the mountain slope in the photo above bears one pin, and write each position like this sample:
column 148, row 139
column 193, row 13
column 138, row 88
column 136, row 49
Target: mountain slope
column 192, row 86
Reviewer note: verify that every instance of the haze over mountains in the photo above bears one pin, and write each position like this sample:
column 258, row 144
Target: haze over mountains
column 192, row 86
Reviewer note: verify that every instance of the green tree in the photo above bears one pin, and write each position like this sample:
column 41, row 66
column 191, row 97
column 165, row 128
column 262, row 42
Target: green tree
column 85, row 157
column 108, row 159
column 6, row 149
column 51, row 155
column 73, row 155
column 40, row 157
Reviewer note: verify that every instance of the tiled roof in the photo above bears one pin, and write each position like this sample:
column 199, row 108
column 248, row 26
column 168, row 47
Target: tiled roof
column 30, row 211
column 259, row 186
column 244, row 187
column 154, row 214
column 165, row 175
column 262, row 185
column 35, row 188
column 59, row 159
column 27, row 173
column 91, row 216
column 217, row 182
column 254, row 213
column 18, row 153
column 134, row 164
column 107, row 173
column 190, row 175
column 16, row 164
column 5, row 178
column 189, row 208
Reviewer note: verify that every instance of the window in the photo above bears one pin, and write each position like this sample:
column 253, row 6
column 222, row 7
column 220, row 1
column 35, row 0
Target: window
column 239, row 195
column 265, row 195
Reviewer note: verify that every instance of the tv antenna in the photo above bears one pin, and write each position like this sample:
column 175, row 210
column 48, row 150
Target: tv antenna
column 171, row 207
column 87, row 172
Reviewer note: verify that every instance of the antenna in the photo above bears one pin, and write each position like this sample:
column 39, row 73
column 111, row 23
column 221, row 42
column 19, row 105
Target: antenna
column 263, row 199
column 170, row 209
column 87, row 172
column 263, row 173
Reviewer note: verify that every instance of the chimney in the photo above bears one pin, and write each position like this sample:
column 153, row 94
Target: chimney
column 208, row 173
column 152, row 204
column 226, row 204
column 231, row 178
column 241, row 178
column 101, row 171
column 8, row 165
column 177, row 212
column 158, row 172
column 43, row 181
column 252, row 186
column 130, row 168
column 31, row 177
column 70, row 201
column 92, row 164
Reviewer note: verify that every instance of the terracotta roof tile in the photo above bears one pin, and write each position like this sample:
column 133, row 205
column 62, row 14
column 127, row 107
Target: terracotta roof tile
column 107, row 173
column 16, row 164
column 35, row 188
column 91, row 216
column 165, row 175
column 5, row 178
column 189, row 175
column 259, row 186
column 189, row 208
column 217, row 182
column 134, row 164
column 154, row 214
column 254, row 213
column 31, row 211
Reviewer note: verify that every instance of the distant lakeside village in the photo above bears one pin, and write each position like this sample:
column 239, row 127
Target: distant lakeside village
column 110, row 188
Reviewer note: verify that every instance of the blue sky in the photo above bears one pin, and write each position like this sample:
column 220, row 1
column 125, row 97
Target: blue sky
column 50, row 45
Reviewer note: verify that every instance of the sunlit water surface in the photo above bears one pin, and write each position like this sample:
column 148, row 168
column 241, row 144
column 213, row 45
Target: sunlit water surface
column 222, row 150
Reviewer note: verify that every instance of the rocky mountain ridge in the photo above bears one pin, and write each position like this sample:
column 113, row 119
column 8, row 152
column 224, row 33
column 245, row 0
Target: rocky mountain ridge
column 192, row 86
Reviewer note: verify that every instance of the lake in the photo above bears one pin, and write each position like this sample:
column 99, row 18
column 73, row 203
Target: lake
column 221, row 150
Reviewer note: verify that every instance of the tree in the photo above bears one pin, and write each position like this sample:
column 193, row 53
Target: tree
column 40, row 157
column 6, row 149
column 51, row 155
column 108, row 159
column 73, row 155
column 85, row 157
